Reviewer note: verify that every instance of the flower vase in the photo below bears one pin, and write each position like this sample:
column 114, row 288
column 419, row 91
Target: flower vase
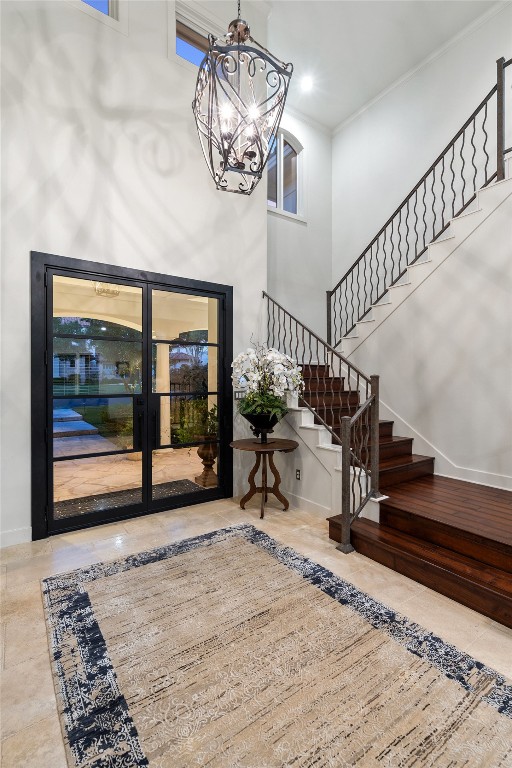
column 261, row 424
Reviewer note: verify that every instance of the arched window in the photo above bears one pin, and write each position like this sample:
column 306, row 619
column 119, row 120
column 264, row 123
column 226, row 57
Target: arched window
column 284, row 190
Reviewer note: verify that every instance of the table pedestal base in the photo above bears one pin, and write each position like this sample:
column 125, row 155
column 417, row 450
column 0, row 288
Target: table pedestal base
column 261, row 458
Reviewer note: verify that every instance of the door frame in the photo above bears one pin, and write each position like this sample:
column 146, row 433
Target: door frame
column 41, row 264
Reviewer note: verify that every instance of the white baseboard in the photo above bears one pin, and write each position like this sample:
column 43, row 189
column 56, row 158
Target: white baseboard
column 299, row 502
column 15, row 536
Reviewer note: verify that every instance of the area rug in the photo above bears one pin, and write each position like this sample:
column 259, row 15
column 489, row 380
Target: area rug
column 229, row 650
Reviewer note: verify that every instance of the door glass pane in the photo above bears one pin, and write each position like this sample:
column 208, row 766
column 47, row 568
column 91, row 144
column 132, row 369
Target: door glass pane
column 86, row 327
column 92, row 425
column 272, row 177
column 184, row 368
column 96, row 366
column 91, row 308
column 82, row 486
column 289, row 178
column 97, row 350
column 182, row 318
column 188, row 419
column 184, row 470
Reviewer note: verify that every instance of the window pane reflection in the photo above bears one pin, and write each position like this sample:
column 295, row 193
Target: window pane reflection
column 92, row 366
column 184, row 368
column 272, row 177
column 289, row 178
column 188, row 419
column 92, row 425
column 182, row 318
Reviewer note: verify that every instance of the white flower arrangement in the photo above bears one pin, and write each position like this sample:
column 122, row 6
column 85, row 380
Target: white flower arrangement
column 266, row 375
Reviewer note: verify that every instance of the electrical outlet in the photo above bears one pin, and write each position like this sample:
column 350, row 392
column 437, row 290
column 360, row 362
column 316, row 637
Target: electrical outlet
column 297, row 474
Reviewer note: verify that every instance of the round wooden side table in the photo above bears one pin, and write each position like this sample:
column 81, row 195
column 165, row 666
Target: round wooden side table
column 262, row 450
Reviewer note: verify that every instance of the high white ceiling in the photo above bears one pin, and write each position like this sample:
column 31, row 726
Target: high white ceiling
column 355, row 49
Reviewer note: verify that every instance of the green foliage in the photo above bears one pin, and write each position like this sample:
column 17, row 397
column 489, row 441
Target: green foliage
column 263, row 402
column 196, row 421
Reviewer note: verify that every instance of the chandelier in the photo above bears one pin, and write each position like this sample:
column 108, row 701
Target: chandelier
column 239, row 101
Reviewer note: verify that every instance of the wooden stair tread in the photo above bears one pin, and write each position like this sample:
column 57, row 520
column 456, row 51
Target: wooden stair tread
column 399, row 461
column 452, row 562
column 456, row 503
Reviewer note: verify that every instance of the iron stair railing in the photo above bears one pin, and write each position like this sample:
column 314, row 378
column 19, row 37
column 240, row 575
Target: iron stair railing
column 343, row 399
column 448, row 187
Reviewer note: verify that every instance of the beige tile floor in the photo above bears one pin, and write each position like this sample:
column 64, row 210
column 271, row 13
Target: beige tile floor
column 102, row 474
column 30, row 729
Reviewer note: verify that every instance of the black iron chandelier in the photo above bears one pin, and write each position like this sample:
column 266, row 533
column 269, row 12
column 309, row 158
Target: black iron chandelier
column 240, row 96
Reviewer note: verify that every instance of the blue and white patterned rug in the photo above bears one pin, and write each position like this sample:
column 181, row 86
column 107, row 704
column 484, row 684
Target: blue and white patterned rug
column 229, row 650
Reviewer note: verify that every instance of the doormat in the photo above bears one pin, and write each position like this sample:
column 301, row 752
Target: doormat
column 229, row 650
column 87, row 504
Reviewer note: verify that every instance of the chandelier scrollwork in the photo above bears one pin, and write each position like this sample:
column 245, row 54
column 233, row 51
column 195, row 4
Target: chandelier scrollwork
column 240, row 96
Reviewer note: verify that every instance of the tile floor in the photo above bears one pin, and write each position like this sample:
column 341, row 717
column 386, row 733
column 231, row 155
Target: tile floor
column 30, row 727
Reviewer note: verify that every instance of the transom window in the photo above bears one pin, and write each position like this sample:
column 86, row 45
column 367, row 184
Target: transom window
column 190, row 45
column 103, row 6
column 283, row 175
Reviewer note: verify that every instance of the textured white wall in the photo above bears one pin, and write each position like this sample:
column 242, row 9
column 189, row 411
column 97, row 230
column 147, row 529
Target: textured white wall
column 380, row 154
column 101, row 161
column 445, row 359
column 299, row 253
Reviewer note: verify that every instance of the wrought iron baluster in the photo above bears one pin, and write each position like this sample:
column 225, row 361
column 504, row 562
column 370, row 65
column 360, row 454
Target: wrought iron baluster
column 433, row 191
column 452, row 185
column 473, row 156
column 486, row 137
column 400, row 227
column 424, row 217
column 443, row 190
column 463, row 165
column 365, row 281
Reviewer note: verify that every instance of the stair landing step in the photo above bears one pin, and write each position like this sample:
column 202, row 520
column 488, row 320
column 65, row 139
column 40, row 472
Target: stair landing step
column 66, row 414
column 479, row 586
column 73, row 429
column 476, row 509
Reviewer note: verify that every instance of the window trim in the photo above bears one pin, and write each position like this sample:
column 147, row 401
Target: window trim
column 117, row 18
column 199, row 21
column 190, row 36
column 282, row 136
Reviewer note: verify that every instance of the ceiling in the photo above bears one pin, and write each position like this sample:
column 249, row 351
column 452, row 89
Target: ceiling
column 354, row 50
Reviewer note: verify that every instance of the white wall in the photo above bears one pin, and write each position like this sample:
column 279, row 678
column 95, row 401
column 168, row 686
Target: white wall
column 381, row 153
column 299, row 252
column 445, row 358
column 101, row 161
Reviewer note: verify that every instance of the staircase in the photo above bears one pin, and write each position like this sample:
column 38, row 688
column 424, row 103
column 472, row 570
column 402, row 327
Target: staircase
column 452, row 536
column 448, row 534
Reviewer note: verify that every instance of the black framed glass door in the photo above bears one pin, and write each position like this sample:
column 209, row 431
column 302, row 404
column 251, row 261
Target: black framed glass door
column 186, row 344
column 137, row 400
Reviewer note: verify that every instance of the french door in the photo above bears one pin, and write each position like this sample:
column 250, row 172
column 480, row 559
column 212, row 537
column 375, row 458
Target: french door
column 131, row 393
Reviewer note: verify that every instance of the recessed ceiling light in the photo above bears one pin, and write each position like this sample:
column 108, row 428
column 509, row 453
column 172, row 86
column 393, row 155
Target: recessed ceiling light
column 306, row 83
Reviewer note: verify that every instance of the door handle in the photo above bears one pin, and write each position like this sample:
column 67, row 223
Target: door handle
column 156, row 425
column 140, row 423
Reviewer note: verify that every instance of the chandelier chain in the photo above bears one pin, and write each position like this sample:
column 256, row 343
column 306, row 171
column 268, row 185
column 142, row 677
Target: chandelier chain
column 238, row 9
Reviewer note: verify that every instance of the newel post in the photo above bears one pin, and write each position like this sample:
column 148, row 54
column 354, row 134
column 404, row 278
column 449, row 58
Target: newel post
column 345, row 545
column 500, row 119
column 375, row 436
